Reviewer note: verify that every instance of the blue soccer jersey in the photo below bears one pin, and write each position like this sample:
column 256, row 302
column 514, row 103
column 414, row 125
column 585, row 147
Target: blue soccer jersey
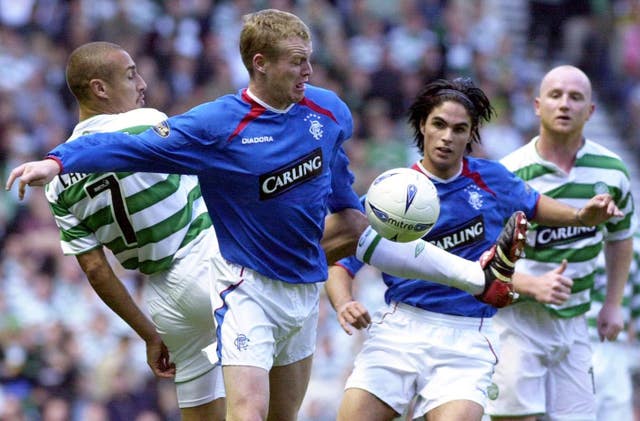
column 267, row 176
column 474, row 207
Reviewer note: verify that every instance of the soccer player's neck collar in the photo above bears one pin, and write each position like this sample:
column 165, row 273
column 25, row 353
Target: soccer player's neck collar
column 265, row 105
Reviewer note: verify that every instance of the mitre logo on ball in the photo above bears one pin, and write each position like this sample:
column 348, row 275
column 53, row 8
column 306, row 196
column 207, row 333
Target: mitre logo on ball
column 402, row 204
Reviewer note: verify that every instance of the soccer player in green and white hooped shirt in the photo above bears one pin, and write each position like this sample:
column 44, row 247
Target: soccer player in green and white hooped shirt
column 613, row 361
column 157, row 224
column 545, row 366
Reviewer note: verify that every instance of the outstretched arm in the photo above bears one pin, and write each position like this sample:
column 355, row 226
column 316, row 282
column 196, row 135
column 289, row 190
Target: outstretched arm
column 114, row 294
column 599, row 209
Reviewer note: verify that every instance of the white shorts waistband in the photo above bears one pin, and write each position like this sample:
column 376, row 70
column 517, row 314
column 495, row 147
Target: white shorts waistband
column 460, row 322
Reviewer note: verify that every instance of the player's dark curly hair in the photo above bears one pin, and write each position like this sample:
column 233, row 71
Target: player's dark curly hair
column 460, row 90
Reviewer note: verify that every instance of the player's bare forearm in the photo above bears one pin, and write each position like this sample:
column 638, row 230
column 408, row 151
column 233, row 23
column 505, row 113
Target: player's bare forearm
column 111, row 290
column 599, row 209
column 618, row 257
column 338, row 286
column 114, row 294
column 348, row 311
column 341, row 233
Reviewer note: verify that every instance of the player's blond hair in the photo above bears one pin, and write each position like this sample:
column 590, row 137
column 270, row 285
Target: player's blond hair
column 263, row 30
column 87, row 62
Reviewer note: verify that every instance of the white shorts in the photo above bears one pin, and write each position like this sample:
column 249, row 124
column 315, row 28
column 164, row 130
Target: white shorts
column 179, row 305
column 262, row 322
column 545, row 365
column 612, row 373
column 438, row 357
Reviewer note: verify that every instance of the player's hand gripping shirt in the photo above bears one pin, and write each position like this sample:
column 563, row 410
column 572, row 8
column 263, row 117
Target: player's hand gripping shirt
column 474, row 207
column 596, row 170
column 146, row 219
column 267, row 176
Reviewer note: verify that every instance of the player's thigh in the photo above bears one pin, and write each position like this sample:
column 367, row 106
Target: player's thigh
column 179, row 305
column 611, row 371
column 264, row 322
column 389, row 362
column 462, row 358
column 196, row 394
column 288, row 384
column 247, row 390
column 452, row 359
column 459, row 410
column 571, row 388
column 361, row 405
column 520, row 375
column 213, row 411
column 300, row 342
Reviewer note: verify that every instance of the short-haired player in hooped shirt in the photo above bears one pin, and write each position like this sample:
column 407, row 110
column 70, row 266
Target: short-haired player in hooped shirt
column 154, row 223
column 431, row 342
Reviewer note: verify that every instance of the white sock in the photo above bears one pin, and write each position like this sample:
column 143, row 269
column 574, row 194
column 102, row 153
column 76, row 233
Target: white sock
column 420, row 259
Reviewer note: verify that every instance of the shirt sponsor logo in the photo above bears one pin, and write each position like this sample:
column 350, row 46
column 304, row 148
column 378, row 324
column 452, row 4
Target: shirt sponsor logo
column 469, row 232
column 546, row 237
column 71, row 178
column 257, row 139
column 283, row 179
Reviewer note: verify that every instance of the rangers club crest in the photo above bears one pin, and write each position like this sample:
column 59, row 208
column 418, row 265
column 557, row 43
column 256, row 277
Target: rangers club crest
column 315, row 127
column 475, row 198
column 241, row 342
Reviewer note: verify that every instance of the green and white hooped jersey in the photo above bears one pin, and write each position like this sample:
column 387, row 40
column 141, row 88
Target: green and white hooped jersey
column 630, row 300
column 596, row 170
column 146, row 219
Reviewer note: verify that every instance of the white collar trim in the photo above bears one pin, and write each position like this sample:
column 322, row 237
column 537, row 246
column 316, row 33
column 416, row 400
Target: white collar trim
column 267, row 106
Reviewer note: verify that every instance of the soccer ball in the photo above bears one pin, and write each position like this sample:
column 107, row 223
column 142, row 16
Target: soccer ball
column 402, row 204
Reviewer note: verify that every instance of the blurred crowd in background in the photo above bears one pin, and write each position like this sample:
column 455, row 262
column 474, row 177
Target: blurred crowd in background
column 63, row 354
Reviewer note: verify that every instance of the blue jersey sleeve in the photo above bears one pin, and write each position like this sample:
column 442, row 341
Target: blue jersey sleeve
column 342, row 194
column 177, row 145
column 351, row 264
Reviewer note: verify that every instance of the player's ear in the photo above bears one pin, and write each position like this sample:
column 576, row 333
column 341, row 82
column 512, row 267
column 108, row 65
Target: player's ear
column 423, row 123
column 259, row 61
column 98, row 88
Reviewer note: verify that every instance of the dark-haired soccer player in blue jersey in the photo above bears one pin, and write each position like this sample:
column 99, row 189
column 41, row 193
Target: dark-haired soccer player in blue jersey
column 270, row 163
column 431, row 340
